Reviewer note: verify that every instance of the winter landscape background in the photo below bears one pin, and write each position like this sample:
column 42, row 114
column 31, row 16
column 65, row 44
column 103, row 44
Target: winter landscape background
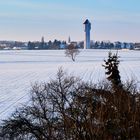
column 21, row 69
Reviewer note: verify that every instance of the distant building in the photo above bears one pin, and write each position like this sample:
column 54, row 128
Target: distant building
column 87, row 29
column 74, row 43
column 137, row 46
column 62, row 46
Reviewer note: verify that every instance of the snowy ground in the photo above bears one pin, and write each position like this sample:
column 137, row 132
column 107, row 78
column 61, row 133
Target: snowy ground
column 20, row 69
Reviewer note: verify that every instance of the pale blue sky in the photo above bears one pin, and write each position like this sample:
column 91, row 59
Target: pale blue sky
column 31, row 19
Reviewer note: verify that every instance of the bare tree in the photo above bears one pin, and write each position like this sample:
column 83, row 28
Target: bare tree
column 72, row 51
column 69, row 109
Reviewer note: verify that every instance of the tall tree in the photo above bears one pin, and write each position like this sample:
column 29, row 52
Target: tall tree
column 111, row 65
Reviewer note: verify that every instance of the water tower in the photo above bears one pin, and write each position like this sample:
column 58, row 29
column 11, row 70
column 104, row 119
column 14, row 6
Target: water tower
column 87, row 26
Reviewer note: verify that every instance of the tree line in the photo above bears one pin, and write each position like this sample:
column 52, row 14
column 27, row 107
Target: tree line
column 54, row 45
column 57, row 44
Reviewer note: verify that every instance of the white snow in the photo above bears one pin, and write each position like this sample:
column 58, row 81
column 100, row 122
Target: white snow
column 19, row 69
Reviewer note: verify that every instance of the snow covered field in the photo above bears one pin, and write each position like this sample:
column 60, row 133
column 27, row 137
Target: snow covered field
column 20, row 69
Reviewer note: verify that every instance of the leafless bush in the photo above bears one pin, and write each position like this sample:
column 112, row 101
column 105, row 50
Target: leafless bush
column 72, row 52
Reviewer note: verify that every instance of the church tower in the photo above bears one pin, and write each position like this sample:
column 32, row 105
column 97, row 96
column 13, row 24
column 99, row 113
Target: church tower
column 87, row 28
column 42, row 39
column 69, row 40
